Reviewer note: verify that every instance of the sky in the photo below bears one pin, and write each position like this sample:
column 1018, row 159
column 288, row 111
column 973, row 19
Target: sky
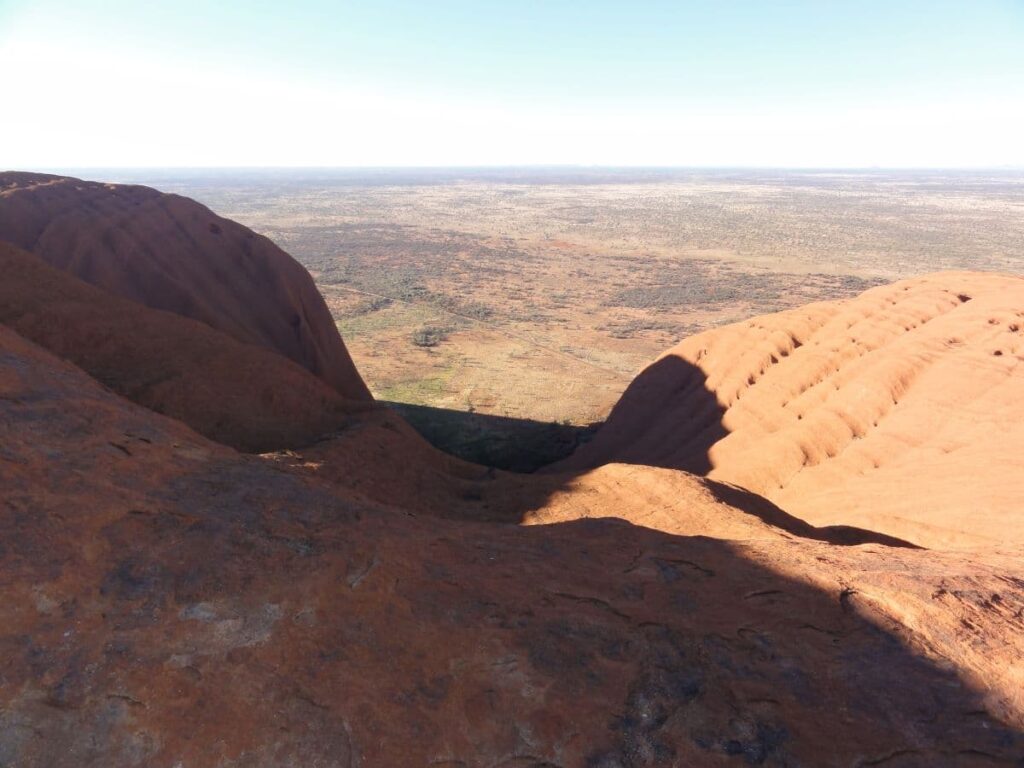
column 822, row 83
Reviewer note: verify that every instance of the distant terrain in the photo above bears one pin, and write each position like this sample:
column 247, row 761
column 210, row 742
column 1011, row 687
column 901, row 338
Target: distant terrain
column 536, row 296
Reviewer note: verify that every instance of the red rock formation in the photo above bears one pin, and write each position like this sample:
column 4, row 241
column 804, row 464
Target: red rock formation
column 167, row 601
column 899, row 411
column 171, row 253
column 237, row 394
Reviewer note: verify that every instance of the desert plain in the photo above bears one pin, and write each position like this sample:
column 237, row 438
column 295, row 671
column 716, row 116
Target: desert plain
column 506, row 310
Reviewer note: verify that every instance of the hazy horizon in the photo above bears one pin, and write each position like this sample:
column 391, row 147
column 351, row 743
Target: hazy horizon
column 539, row 168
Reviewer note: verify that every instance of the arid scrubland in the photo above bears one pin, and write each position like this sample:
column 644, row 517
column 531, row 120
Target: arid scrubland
column 538, row 295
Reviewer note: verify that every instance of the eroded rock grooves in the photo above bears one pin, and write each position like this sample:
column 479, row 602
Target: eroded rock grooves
column 367, row 601
column 870, row 412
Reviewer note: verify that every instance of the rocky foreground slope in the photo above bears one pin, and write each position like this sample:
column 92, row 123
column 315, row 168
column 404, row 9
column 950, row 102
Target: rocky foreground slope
column 171, row 253
column 167, row 601
column 367, row 601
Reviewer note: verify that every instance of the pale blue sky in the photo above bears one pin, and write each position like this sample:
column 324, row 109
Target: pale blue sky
column 435, row 83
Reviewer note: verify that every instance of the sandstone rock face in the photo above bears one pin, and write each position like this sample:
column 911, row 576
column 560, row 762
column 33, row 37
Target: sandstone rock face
column 171, row 253
column 167, row 601
column 899, row 411
column 237, row 394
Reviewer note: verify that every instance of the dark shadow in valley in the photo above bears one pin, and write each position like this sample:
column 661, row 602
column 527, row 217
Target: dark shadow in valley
column 666, row 418
column 502, row 442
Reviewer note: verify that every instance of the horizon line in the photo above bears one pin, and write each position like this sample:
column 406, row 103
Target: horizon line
column 515, row 166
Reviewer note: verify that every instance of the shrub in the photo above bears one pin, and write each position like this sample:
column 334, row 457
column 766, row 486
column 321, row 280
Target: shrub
column 429, row 336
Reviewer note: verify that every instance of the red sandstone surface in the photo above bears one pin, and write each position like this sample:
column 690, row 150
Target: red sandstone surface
column 171, row 253
column 168, row 601
column 238, row 394
column 898, row 411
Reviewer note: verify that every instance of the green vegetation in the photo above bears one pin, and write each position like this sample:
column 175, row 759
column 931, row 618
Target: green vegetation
column 630, row 329
column 418, row 391
column 430, row 335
